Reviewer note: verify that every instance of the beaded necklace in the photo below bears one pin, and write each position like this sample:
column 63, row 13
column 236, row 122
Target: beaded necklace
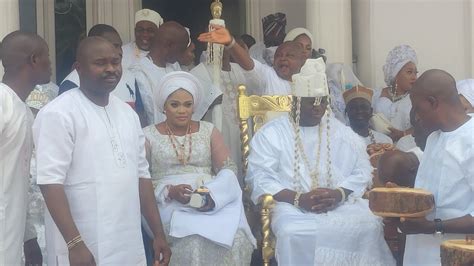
column 180, row 152
column 299, row 152
column 371, row 135
column 392, row 91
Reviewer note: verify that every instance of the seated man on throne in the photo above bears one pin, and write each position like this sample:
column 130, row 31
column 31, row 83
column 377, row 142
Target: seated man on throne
column 316, row 169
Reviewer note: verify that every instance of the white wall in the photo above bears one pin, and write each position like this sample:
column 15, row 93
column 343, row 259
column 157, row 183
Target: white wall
column 330, row 23
column 9, row 20
column 439, row 30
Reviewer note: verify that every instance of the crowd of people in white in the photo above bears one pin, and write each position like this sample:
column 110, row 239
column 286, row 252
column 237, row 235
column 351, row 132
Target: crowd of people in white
column 135, row 157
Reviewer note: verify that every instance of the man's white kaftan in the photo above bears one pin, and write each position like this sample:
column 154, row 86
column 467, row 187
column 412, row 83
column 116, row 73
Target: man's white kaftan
column 98, row 154
column 446, row 170
column 131, row 54
column 16, row 146
column 347, row 235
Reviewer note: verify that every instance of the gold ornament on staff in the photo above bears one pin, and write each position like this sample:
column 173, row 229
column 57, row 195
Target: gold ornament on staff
column 215, row 51
column 216, row 9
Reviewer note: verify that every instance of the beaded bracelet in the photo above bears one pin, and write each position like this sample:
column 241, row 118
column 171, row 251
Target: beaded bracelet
column 296, row 201
column 232, row 43
column 76, row 240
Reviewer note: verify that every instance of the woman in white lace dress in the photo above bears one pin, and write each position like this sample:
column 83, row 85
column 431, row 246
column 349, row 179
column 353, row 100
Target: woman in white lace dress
column 185, row 155
column 393, row 102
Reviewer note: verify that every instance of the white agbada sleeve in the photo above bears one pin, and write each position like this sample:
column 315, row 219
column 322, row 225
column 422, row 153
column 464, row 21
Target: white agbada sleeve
column 263, row 163
column 360, row 177
column 54, row 141
column 143, row 166
column 256, row 77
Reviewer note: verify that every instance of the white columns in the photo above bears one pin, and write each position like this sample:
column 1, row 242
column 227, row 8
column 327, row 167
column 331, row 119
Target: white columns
column 330, row 23
column 9, row 20
column 118, row 13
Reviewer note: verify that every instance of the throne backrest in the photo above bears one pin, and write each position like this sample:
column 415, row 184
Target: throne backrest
column 253, row 112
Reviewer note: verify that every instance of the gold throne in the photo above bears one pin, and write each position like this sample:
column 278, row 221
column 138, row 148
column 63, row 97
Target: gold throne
column 254, row 111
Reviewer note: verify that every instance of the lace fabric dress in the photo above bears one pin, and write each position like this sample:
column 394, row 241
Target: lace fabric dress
column 194, row 249
column 397, row 112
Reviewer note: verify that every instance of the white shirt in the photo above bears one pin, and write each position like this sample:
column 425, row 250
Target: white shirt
column 446, row 170
column 406, row 143
column 98, row 154
column 269, row 83
column 148, row 76
column 131, row 54
column 16, row 146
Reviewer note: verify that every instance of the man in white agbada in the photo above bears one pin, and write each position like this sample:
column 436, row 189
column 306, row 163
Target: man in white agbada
column 26, row 62
column 393, row 102
column 359, row 110
column 147, row 23
column 446, row 169
column 92, row 170
column 317, row 169
column 169, row 43
column 466, row 94
column 276, row 80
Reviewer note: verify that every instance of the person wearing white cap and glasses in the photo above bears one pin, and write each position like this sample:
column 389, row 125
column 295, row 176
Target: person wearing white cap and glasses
column 317, row 170
column 393, row 102
column 188, row 157
column 147, row 23
column 466, row 94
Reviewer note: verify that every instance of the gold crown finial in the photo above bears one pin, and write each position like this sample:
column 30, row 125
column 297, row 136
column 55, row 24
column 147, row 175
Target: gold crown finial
column 216, row 9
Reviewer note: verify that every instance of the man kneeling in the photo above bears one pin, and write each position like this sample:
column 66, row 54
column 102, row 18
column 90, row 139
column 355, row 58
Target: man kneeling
column 317, row 169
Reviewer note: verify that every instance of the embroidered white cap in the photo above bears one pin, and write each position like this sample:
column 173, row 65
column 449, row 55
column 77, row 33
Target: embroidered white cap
column 148, row 15
column 311, row 81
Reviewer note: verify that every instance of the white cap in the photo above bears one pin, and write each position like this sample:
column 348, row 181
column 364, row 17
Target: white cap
column 311, row 81
column 148, row 15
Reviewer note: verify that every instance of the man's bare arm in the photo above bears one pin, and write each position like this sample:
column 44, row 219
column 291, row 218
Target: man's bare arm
column 150, row 212
column 58, row 207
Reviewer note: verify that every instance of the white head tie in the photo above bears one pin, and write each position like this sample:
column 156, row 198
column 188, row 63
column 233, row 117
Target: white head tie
column 174, row 81
column 396, row 59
